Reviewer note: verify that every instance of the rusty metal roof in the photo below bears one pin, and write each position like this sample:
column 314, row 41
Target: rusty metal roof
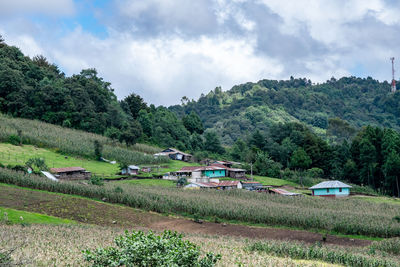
column 228, row 183
column 67, row 169
column 283, row 192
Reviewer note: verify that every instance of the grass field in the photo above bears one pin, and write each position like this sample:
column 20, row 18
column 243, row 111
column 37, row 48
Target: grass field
column 10, row 154
column 23, row 217
column 379, row 199
column 273, row 181
column 171, row 166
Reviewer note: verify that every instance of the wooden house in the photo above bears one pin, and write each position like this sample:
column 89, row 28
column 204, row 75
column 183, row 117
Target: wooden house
column 130, row 170
column 71, row 173
column 331, row 189
column 174, row 154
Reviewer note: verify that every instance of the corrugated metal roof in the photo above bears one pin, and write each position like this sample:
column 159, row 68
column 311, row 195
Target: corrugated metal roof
column 133, row 167
column 283, row 192
column 330, row 184
column 228, row 183
column 67, row 169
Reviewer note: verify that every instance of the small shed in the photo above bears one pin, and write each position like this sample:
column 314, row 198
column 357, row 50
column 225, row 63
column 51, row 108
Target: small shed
column 224, row 185
column 331, row 189
column 130, row 170
column 252, row 186
column 71, row 173
column 174, row 154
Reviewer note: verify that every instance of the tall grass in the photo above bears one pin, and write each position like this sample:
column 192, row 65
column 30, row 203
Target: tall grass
column 346, row 216
column 74, row 142
column 332, row 255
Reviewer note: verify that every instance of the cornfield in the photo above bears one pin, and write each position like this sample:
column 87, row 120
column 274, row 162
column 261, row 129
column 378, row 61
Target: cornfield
column 348, row 257
column 346, row 216
column 74, row 142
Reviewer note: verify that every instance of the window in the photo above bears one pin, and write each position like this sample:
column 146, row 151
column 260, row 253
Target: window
column 340, row 189
column 327, row 190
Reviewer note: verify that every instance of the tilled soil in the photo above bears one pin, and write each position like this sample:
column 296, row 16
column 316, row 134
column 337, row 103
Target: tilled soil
column 100, row 213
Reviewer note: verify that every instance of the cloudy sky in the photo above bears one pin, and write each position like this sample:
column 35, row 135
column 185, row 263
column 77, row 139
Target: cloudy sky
column 166, row 49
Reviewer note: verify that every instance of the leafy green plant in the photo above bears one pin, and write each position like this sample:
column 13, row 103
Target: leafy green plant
column 14, row 139
column 96, row 180
column 141, row 249
column 37, row 163
column 118, row 189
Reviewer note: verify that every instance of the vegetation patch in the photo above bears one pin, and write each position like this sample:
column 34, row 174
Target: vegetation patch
column 346, row 216
column 12, row 216
column 328, row 254
column 140, row 249
column 74, row 142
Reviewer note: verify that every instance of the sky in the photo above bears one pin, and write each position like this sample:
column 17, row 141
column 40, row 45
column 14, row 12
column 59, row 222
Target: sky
column 166, row 49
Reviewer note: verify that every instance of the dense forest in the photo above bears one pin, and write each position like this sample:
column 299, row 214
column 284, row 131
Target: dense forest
column 282, row 128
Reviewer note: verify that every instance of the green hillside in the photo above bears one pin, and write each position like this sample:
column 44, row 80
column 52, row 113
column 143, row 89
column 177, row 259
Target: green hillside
column 250, row 106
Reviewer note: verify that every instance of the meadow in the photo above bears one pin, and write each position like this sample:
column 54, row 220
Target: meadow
column 74, row 142
column 12, row 216
column 344, row 216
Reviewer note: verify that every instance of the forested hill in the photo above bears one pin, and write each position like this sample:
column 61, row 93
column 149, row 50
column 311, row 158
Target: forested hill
column 251, row 106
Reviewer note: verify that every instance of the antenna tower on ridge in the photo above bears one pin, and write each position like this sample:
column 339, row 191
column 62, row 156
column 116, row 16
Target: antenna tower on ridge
column 393, row 80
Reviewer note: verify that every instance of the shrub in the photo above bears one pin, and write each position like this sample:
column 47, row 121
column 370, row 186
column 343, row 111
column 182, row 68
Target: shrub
column 96, row 180
column 118, row 189
column 141, row 249
column 14, row 140
column 39, row 163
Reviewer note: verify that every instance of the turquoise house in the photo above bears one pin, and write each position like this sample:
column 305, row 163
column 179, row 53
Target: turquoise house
column 213, row 172
column 331, row 189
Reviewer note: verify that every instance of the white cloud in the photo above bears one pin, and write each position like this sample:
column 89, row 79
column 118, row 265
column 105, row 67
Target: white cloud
column 163, row 70
column 10, row 8
column 326, row 19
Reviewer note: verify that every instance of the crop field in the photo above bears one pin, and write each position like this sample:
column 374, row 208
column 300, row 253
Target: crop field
column 146, row 182
column 62, row 245
column 344, row 216
column 74, row 142
column 19, row 155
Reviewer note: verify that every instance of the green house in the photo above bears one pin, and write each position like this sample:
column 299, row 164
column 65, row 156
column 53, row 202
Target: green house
column 213, row 172
column 331, row 189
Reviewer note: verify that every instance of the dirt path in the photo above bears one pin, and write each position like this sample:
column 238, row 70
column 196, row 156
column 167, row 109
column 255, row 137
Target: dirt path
column 99, row 213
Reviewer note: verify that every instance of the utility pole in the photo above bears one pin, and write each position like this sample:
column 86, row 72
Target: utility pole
column 393, row 89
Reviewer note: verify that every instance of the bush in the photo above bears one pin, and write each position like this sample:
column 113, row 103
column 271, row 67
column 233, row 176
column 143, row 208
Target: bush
column 141, row 249
column 14, row 140
column 96, row 180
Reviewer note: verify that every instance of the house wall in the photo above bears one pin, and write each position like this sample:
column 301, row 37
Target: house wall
column 214, row 173
column 73, row 175
column 332, row 192
column 237, row 174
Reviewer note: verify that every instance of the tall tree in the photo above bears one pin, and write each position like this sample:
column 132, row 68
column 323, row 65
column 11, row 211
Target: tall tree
column 132, row 104
column 193, row 123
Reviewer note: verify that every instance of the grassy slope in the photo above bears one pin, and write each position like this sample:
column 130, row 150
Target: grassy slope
column 14, row 216
column 10, row 154
column 273, row 181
